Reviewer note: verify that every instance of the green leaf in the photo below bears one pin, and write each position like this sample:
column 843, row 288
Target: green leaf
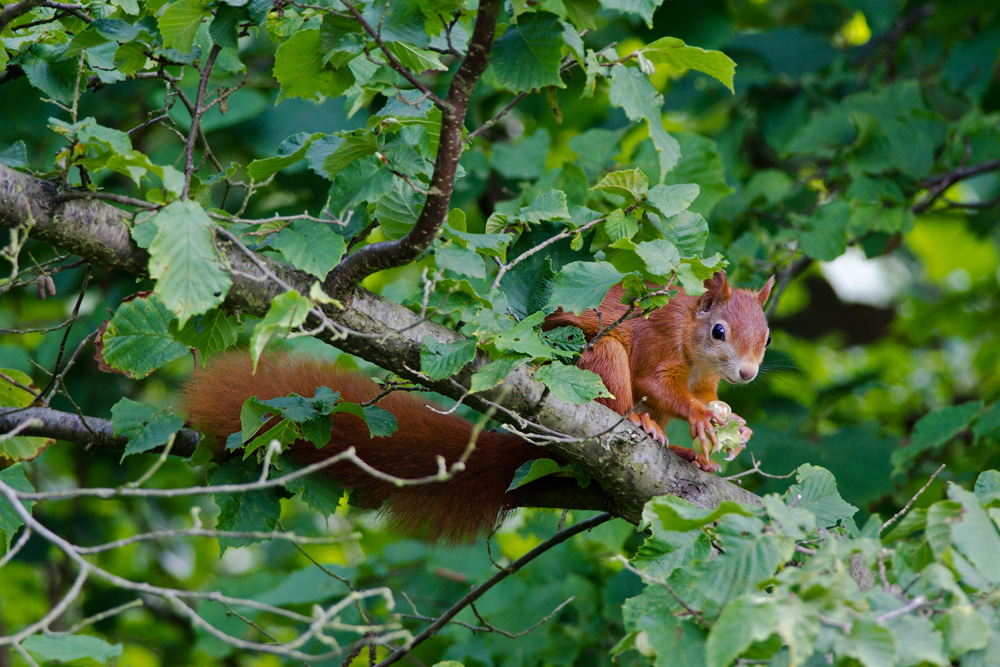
column 311, row 246
column 66, row 648
column 528, row 55
column 630, row 183
column 917, row 642
column 18, row 447
column 687, row 230
column 137, row 339
column 987, row 482
column 15, row 156
column 441, row 360
column 190, row 276
column 496, row 372
column 818, row 490
column 287, row 311
column 290, row 151
column 975, row 535
column 381, row 422
column 246, row 511
column 523, row 339
column 418, row 60
column 964, row 630
column 348, row 150
column 460, row 260
column 298, row 67
column 210, row 333
column 572, row 384
column 583, row 285
column 322, row 493
column 46, row 71
column 619, row 226
column 677, row 54
column 669, row 200
column 398, row 209
column 549, row 205
column 934, row 430
column 10, row 521
column 145, row 426
column 179, row 24
column 632, row 91
column 743, row 621
column 824, row 233
column 869, row 642
column 670, row 513
column 988, row 423
column 524, row 160
column 642, row 8
column 660, row 257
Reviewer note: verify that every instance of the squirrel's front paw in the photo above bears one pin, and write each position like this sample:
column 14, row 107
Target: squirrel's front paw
column 652, row 429
column 703, row 431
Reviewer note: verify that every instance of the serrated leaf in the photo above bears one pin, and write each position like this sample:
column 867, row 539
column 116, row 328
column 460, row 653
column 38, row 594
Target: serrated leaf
column 290, row 151
column 964, row 630
column 137, row 340
column 179, row 24
column 145, row 426
column 311, row 246
column 572, row 384
column 190, row 277
column 632, row 91
column 247, row 511
column 660, row 256
column 381, row 422
column 818, row 490
column 528, row 55
column 287, row 311
column 670, row 513
column 687, row 231
column 743, row 621
column 583, row 285
column 669, row 200
column 299, row 68
column 66, row 648
column 441, row 360
column 10, row 521
column 496, row 371
column 934, row 430
column 321, row 493
column 870, row 643
column 630, row 183
column 418, row 60
column 677, row 54
column 398, row 209
column 549, row 205
column 641, row 8
column 463, row 261
column 210, row 333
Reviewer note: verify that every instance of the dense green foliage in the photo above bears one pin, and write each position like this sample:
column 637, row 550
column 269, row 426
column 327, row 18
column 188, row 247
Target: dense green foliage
column 849, row 147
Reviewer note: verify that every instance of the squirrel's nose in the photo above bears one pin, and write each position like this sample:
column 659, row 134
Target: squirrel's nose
column 747, row 374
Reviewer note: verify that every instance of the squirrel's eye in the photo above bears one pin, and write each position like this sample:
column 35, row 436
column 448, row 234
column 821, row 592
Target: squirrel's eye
column 768, row 341
column 719, row 332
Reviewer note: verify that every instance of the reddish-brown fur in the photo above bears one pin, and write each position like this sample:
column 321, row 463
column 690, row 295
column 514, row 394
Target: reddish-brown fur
column 668, row 357
column 470, row 504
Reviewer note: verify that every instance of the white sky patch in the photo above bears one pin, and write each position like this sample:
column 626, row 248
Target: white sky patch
column 858, row 279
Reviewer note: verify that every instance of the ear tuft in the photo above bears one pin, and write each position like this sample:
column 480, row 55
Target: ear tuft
column 765, row 291
column 717, row 291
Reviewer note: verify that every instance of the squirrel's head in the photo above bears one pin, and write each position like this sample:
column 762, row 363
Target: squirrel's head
column 733, row 331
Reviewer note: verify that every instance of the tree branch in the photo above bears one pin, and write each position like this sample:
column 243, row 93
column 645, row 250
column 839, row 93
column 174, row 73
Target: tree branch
column 16, row 10
column 626, row 464
column 388, row 254
column 68, row 426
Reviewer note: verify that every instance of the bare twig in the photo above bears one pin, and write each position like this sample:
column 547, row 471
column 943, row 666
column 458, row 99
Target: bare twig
column 909, row 503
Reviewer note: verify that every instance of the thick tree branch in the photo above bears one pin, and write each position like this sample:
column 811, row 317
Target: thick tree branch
column 627, row 465
column 68, row 426
column 389, row 254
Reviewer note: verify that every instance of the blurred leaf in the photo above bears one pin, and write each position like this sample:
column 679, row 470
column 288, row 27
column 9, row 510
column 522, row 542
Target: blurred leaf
column 246, row 511
column 65, row 648
column 632, row 91
column 934, row 430
column 677, row 54
column 10, row 522
column 819, row 495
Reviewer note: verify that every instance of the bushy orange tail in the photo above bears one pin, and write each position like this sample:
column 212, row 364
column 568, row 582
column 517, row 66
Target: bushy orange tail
column 470, row 504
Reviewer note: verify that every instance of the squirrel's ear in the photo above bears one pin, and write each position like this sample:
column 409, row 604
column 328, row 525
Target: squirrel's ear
column 717, row 291
column 765, row 291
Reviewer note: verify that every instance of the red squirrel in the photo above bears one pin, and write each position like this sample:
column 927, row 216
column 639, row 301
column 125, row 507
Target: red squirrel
column 674, row 358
